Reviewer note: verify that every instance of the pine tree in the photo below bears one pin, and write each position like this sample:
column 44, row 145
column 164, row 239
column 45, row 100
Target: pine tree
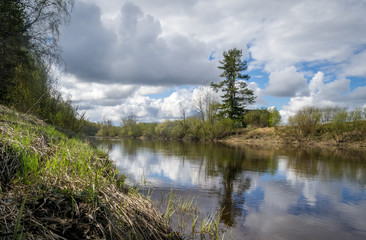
column 236, row 94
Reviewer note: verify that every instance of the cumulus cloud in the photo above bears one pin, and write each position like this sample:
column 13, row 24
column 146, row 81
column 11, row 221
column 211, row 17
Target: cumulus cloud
column 321, row 94
column 310, row 31
column 135, row 53
column 114, row 101
column 285, row 83
column 120, row 50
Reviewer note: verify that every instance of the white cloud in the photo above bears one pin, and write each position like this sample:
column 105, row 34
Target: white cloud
column 285, row 83
column 356, row 65
column 310, row 31
column 114, row 101
column 152, row 45
column 258, row 93
column 316, row 84
column 133, row 53
column 333, row 93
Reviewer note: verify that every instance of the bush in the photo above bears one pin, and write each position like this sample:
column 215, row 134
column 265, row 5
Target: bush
column 220, row 129
column 303, row 124
column 257, row 118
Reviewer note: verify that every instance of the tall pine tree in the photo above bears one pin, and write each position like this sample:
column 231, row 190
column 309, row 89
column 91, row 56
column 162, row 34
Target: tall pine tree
column 236, row 94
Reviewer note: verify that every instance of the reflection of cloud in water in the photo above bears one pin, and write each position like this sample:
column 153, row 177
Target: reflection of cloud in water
column 286, row 197
column 161, row 170
column 305, row 206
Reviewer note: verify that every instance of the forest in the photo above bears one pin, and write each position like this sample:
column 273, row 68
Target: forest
column 30, row 55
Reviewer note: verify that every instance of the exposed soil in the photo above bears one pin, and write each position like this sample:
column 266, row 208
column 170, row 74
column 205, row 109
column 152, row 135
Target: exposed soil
column 279, row 137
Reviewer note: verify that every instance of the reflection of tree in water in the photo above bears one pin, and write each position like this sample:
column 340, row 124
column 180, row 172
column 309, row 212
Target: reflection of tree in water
column 232, row 201
column 231, row 195
column 231, row 165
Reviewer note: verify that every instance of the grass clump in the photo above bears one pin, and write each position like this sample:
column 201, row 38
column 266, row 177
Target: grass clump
column 54, row 187
column 184, row 216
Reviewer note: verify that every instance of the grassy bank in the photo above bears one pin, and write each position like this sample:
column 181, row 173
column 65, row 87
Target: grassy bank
column 54, row 187
column 345, row 135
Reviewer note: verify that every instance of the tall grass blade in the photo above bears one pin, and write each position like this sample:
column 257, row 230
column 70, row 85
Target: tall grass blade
column 17, row 228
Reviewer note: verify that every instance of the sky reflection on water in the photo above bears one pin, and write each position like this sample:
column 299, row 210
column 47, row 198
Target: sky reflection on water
column 265, row 193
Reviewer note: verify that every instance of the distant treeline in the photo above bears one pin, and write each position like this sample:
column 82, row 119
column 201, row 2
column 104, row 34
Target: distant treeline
column 336, row 123
column 340, row 125
column 29, row 49
column 190, row 128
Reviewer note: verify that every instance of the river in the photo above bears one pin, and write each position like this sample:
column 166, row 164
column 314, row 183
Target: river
column 265, row 193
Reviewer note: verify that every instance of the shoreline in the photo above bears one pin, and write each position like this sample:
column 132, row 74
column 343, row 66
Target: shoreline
column 276, row 137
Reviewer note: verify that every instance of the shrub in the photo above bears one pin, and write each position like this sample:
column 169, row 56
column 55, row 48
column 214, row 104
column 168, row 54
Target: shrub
column 303, row 124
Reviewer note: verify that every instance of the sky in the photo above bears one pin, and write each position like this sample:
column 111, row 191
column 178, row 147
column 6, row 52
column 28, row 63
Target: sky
column 153, row 58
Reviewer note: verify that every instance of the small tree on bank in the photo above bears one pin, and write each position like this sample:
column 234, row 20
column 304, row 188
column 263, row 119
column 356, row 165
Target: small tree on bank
column 236, row 94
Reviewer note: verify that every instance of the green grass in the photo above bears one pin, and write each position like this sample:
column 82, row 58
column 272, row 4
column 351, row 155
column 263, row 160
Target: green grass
column 185, row 217
column 54, row 182
column 66, row 181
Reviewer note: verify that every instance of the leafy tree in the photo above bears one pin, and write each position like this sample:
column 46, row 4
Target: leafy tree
column 29, row 33
column 130, row 126
column 257, row 118
column 90, row 128
column 328, row 113
column 13, row 44
column 304, row 122
column 236, row 94
column 274, row 118
column 148, row 129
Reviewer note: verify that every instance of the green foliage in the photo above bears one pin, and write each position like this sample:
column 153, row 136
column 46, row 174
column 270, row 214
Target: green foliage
column 195, row 129
column 107, row 129
column 274, row 117
column 347, row 125
column 329, row 113
column 220, row 129
column 338, row 126
column 192, row 128
column 13, row 44
column 130, row 127
column 67, row 181
column 304, row 122
column 341, row 124
column 148, row 129
column 90, row 128
column 262, row 118
column 164, row 129
column 236, row 94
column 26, row 51
column 257, row 118
column 29, row 31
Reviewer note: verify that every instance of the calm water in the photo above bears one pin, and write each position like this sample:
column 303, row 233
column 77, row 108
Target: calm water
column 266, row 193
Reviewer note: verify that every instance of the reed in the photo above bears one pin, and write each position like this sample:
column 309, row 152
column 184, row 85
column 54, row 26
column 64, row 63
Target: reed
column 186, row 218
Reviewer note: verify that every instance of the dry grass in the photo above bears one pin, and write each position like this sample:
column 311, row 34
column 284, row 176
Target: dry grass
column 283, row 136
column 53, row 187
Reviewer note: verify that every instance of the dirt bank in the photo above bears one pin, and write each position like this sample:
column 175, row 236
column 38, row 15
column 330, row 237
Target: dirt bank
column 281, row 136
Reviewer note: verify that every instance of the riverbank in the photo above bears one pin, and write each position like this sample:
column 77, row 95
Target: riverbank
column 55, row 187
column 284, row 136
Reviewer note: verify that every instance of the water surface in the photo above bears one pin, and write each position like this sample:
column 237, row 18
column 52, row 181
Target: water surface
column 265, row 193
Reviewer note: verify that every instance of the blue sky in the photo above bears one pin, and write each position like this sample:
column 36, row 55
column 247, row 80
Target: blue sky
column 152, row 58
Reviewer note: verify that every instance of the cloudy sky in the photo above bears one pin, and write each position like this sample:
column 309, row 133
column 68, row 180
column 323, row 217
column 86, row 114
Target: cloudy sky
column 152, row 57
